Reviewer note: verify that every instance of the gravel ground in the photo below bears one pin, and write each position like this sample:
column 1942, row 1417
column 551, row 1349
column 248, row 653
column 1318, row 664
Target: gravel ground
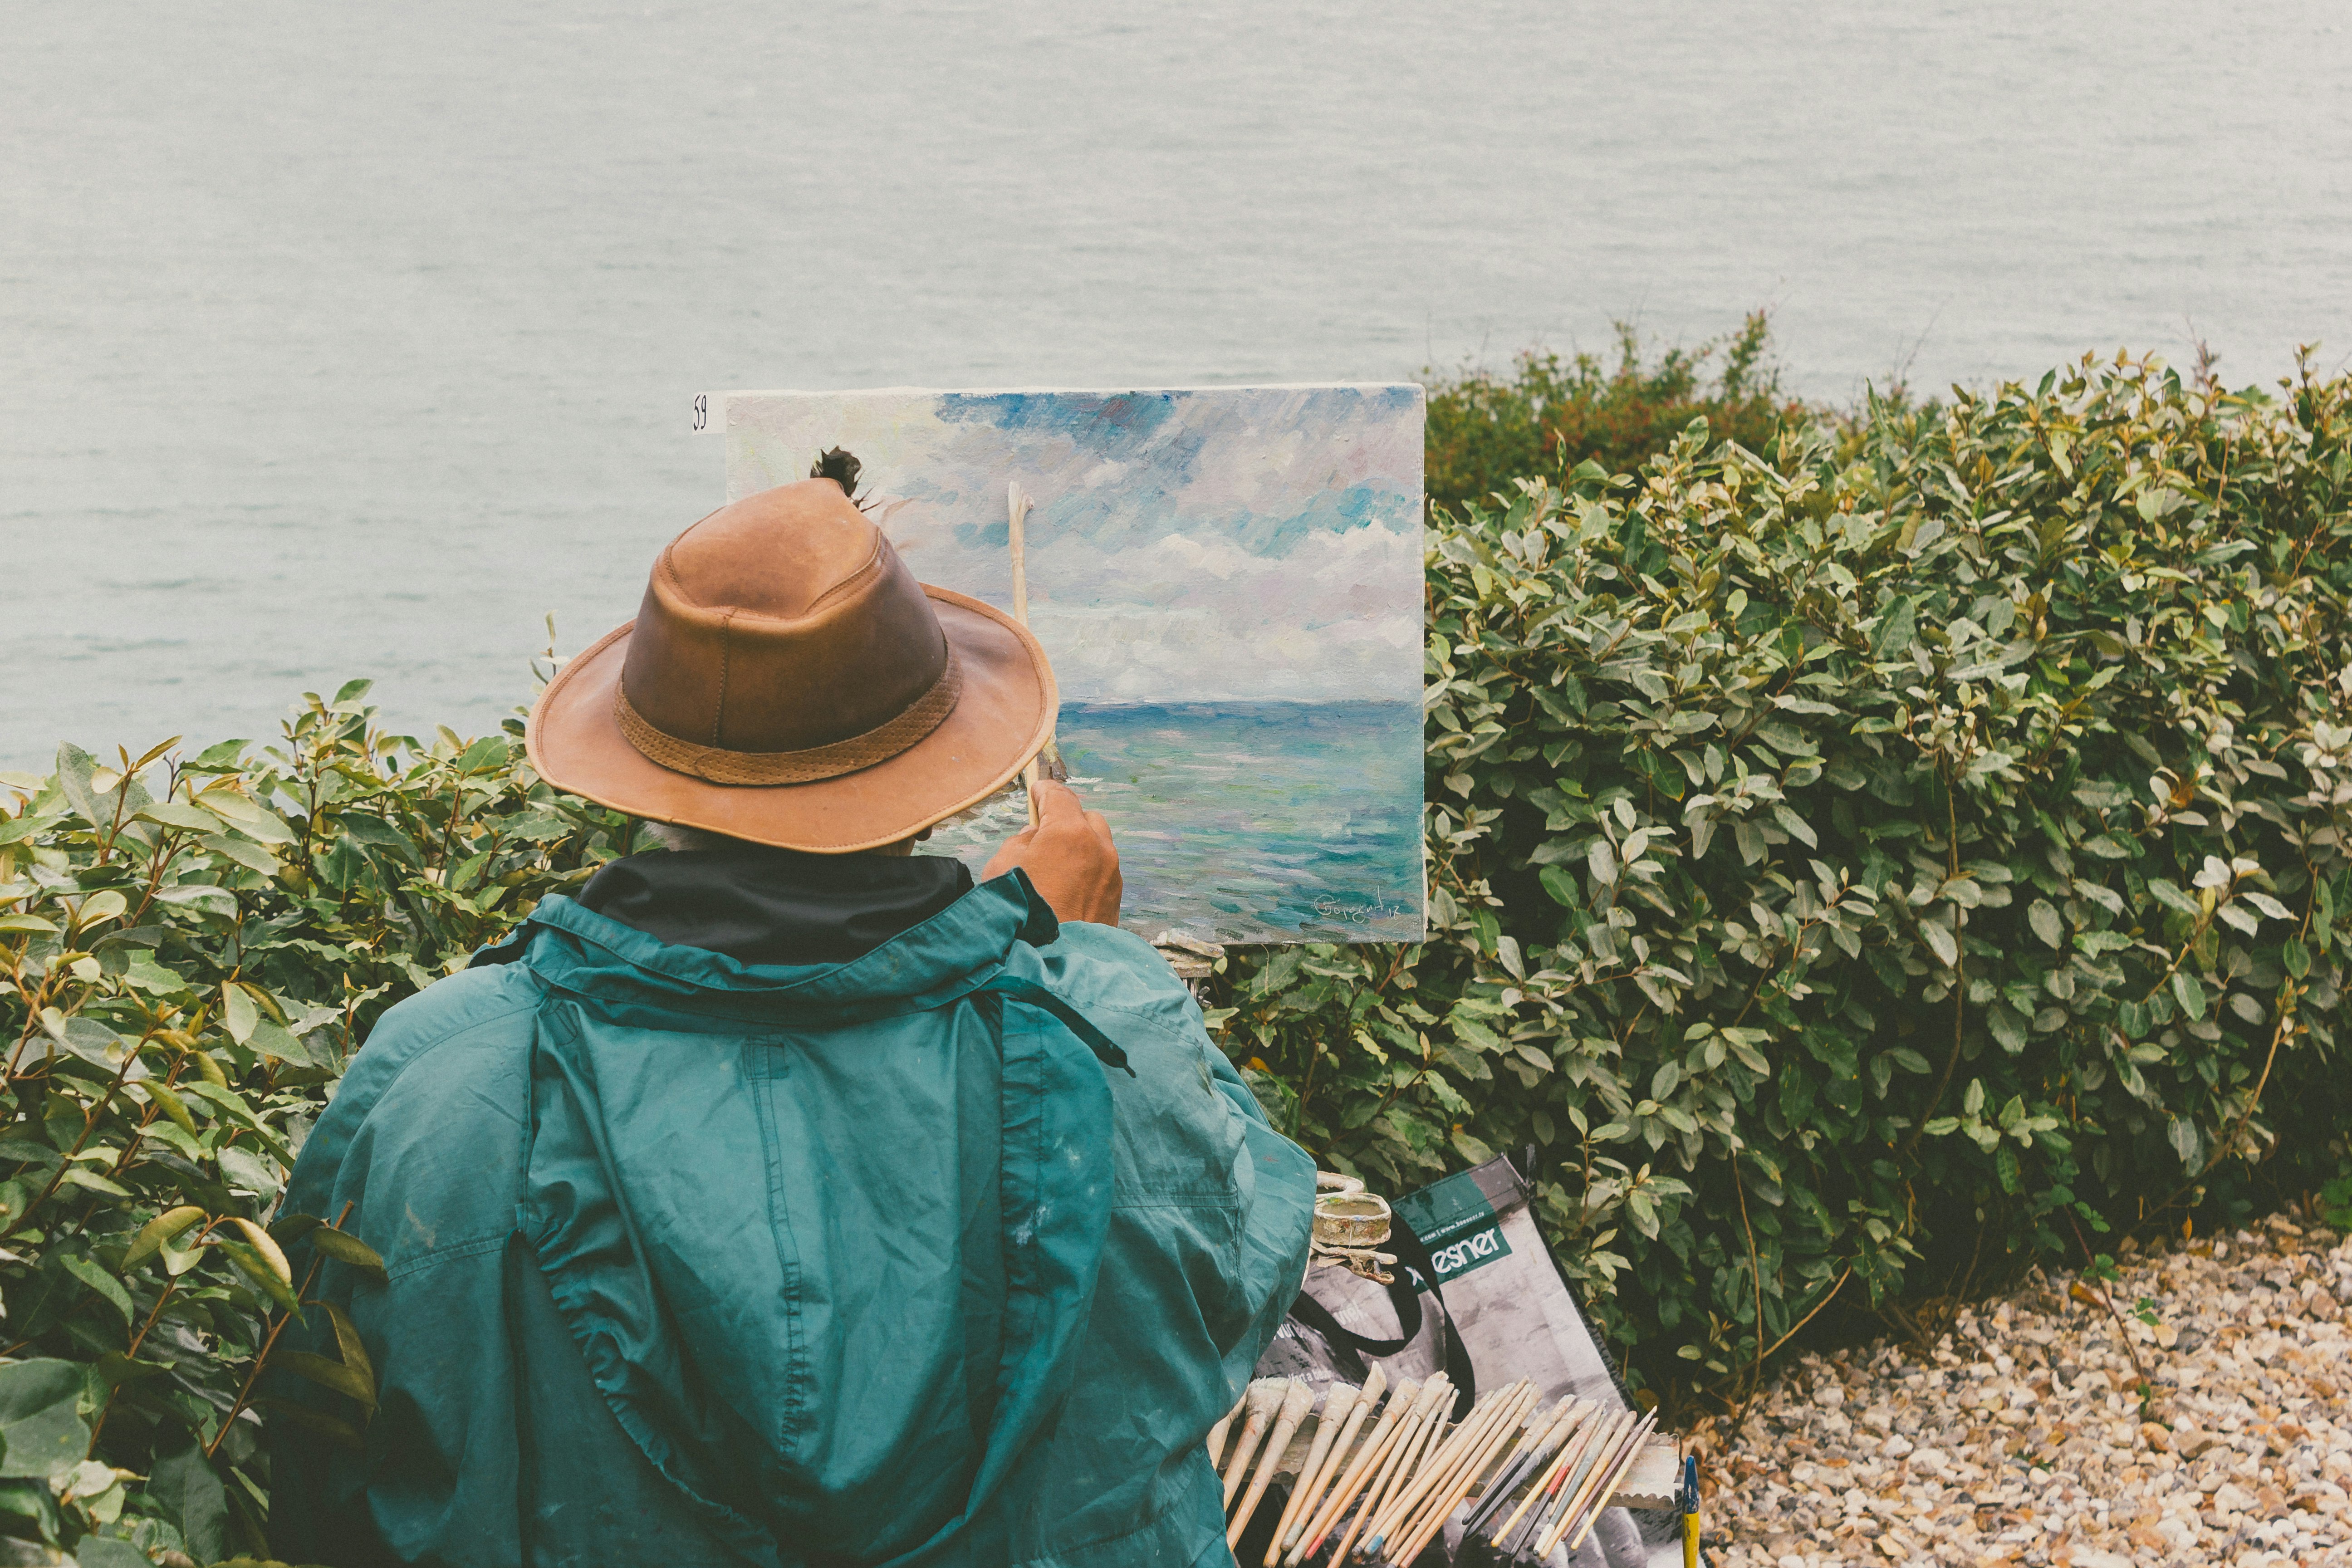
column 2019, row 1438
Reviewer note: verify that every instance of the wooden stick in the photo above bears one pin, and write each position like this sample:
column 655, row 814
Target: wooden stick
column 1608, row 1489
column 1606, row 1465
column 1264, row 1394
column 1435, row 1394
column 1399, row 1455
column 1017, row 503
column 1581, row 1474
column 1295, row 1402
column 1439, row 1467
column 1354, row 1492
column 1562, row 1517
column 1435, row 1480
column 1547, row 1477
column 1538, row 1466
column 1524, row 1459
column 1338, row 1409
column 1382, row 1499
column 1375, row 1445
column 1334, row 1460
column 1471, row 1464
column 1217, row 1433
column 1448, row 1498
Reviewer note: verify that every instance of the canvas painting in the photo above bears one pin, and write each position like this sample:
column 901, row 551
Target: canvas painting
column 1228, row 581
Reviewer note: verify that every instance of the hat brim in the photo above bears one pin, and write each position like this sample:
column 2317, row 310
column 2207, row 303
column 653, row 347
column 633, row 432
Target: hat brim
column 1002, row 718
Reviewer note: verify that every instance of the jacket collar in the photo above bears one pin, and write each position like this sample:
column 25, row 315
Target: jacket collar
column 634, row 977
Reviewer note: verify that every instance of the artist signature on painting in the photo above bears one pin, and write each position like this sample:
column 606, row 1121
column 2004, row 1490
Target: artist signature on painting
column 1341, row 912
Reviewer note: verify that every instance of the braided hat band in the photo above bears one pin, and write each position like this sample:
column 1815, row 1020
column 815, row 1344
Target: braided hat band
column 807, row 765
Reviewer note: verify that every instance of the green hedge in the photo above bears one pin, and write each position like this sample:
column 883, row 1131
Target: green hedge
column 1549, row 414
column 1906, row 847
column 191, row 950
column 1845, row 863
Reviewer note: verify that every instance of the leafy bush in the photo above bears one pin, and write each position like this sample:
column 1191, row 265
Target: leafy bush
column 1838, row 863
column 1913, row 845
column 1550, row 415
column 192, row 949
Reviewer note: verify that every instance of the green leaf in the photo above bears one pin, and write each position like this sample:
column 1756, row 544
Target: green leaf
column 343, row 1246
column 2188, row 994
column 169, row 1102
column 245, row 852
column 228, row 1099
column 172, row 814
column 342, row 1434
column 2294, row 958
column 163, row 1227
column 238, row 1010
column 43, row 1432
column 1560, row 883
column 16, row 829
column 349, row 1345
column 109, row 1287
column 344, row 866
column 1898, row 628
column 75, row 768
column 91, row 1041
column 81, row 1176
column 188, row 1490
column 249, row 1172
column 110, row 1552
column 199, row 896
column 271, row 1039
column 1938, row 937
column 2046, row 923
column 253, row 821
column 256, row 1267
column 331, row 1375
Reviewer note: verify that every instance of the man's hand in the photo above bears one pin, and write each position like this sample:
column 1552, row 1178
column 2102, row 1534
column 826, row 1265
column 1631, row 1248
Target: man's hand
column 1068, row 855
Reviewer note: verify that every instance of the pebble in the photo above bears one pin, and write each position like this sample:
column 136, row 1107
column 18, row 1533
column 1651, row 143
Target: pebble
column 2021, row 1437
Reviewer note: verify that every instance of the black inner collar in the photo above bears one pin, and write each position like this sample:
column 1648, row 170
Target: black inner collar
column 761, row 905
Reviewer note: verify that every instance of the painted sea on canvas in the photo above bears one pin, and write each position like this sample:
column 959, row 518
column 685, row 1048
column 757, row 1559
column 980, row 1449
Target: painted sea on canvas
column 1266, row 822
column 1228, row 582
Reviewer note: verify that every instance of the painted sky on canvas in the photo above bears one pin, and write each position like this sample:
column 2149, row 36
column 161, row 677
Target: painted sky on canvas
column 1213, row 544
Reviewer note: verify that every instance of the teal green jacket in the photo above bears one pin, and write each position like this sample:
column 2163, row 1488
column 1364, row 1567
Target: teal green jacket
column 950, row 1255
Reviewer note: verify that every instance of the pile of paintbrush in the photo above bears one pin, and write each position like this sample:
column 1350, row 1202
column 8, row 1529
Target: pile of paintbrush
column 1380, row 1488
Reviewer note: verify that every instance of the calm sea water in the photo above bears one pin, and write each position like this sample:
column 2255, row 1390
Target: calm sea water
column 1246, row 822
column 344, row 340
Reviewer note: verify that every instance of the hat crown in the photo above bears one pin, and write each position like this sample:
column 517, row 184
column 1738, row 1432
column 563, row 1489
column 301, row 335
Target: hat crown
column 782, row 623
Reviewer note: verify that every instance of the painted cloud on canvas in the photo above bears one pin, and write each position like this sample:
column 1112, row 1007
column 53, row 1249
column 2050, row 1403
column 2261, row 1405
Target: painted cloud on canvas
column 1228, row 581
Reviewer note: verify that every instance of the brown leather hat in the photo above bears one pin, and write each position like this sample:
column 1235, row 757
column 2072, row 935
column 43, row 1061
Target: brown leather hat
column 788, row 682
